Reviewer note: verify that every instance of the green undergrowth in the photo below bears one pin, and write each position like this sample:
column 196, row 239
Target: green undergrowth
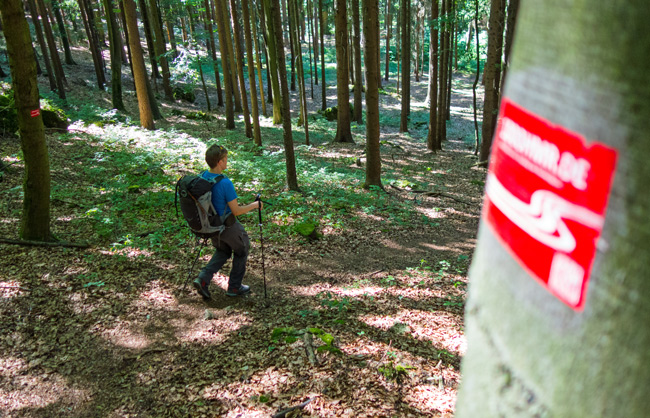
column 126, row 177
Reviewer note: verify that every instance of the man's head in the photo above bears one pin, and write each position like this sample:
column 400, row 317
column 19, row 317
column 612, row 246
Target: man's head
column 214, row 154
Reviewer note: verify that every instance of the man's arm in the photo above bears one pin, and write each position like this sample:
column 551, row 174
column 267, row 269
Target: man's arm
column 240, row 210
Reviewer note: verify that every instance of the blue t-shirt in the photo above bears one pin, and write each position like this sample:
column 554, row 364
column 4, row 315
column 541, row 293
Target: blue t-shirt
column 222, row 192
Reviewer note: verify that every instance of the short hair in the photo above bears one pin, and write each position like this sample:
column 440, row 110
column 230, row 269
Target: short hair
column 214, row 154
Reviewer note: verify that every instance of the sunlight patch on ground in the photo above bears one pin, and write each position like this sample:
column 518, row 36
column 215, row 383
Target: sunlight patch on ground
column 124, row 336
column 9, row 289
column 22, row 391
column 429, row 398
column 439, row 327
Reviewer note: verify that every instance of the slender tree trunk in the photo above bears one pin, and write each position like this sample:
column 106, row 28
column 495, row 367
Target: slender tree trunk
column 301, row 72
column 231, row 54
column 257, row 136
column 343, row 132
column 139, row 70
column 358, row 85
column 41, row 41
column 256, row 45
column 309, row 48
column 88, row 16
column 274, row 20
column 322, row 55
column 478, row 73
column 225, row 66
column 371, row 33
column 35, row 224
column 406, row 64
column 64, row 35
column 492, row 66
column 398, row 44
column 239, row 58
column 314, row 39
column 151, row 48
column 56, row 61
column 169, row 26
column 530, row 354
column 443, row 74
column 513, row 8
column 292, row 43
column 274, row 61
column 116, row 56
column 213, row 50
column 432, row 138
column 389, row 28
column 160, row 48
column 450, row 42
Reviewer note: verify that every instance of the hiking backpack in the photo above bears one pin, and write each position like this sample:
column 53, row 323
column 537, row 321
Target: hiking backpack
column 195, row 196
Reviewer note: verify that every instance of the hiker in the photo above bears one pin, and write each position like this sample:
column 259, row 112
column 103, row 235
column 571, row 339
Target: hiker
column 233, row 241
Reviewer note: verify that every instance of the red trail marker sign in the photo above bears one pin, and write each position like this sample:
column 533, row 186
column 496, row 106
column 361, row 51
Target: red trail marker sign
column 546, row 195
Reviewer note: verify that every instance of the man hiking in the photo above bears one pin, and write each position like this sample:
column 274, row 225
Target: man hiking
column 233, row 241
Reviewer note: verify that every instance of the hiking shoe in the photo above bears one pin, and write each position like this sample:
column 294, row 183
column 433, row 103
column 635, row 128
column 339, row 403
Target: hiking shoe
column 242, row 291
column 202, row 289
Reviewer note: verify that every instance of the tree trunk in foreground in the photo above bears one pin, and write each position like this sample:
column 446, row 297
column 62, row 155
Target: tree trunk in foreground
column 371, row 31
column 529, row 354
column 406, row 66
column 35, row 223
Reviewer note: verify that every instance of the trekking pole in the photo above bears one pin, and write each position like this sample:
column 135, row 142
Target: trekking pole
column 189, row 273
column 259, row 199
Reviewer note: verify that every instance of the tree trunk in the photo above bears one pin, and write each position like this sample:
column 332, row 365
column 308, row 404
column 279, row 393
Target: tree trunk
column 322, row 55
column 292, row 43
column 343, row 132
column 443, row 74
column 274, row 61
column 225, row 65
column 513, row 8
column 169, row 26
column 88, row 17
column 530, row 354
column 160, row 47
column 213, row 49
column 492, row 66
column 314, row 40
column 371, row 33
column 151, row 48
column 274, row 20
column 257, row 136
column 56, row 61
column 389, row 27
column 398, row 44
column 41, row 41
column 231, row 54
column 304, row 117
column 139, row 70
column 240, row 69
column 309, row 48
column 477, row 75
column 358, row 85
column 116, row 56
column 258, row 63
column 35, row 224
column 406, row 65
column 62, row 32
column 433, row 142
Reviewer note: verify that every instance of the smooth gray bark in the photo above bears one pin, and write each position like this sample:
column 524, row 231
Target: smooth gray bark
column 581, row 65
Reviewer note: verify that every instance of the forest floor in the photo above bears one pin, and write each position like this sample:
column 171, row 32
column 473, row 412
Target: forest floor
column 111, row 331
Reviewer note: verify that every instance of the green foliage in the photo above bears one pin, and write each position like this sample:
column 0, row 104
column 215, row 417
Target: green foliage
column 8, row 114
column 329, row 300
column 395, row 372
